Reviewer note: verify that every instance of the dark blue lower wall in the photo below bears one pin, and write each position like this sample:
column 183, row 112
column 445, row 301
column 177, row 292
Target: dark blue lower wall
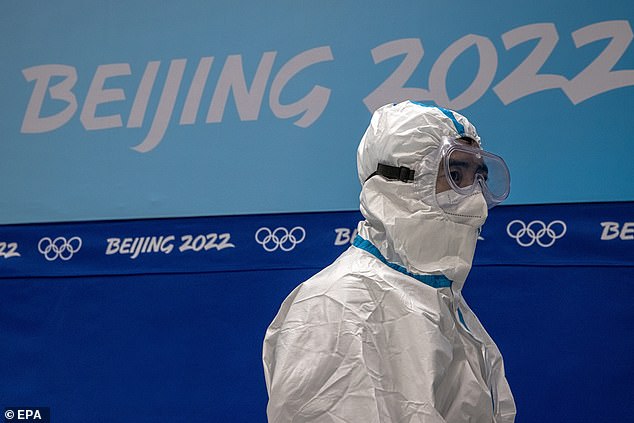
column 129, row 340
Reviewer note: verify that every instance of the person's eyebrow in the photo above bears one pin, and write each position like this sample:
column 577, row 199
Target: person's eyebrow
column 461, row 163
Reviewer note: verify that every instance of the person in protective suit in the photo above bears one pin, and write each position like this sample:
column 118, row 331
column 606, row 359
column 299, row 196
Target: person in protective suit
column 383, row 334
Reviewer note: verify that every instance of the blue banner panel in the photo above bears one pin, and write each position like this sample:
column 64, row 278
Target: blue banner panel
column 566, row 234
column 599, row 234
column 141, row 110
column 284, row 241
column 163, row 320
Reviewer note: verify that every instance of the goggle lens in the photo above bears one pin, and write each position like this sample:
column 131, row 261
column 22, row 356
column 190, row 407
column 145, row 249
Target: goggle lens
column 467, row 169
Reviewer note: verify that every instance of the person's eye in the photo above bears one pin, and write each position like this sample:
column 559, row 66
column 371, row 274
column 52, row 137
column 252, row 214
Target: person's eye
column 455, row 176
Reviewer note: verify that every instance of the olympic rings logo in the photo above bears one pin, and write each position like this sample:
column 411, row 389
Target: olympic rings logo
column 280, row 238
column 60, row 247
column 536, row 232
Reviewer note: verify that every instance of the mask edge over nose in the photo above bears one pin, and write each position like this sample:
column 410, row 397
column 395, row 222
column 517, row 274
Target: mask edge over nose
column 470, row 209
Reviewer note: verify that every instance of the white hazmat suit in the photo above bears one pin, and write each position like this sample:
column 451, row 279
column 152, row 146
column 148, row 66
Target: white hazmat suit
column 383, row 334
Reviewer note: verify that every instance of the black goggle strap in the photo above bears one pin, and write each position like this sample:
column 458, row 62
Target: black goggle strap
column 403, row 174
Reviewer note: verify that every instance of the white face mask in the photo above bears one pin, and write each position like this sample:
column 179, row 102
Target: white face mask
column 469, row 209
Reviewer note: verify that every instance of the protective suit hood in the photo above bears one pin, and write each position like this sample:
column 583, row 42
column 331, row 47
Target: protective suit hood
column 403, row 219
column 383, row 334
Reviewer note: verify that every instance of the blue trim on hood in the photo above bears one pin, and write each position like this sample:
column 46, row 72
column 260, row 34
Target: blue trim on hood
column 435, row 281
column 448, row 113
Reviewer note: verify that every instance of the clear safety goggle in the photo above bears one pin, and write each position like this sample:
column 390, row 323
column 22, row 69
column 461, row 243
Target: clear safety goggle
column 467, row 168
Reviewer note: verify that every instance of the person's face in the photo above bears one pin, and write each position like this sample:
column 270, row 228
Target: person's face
column 463, row 168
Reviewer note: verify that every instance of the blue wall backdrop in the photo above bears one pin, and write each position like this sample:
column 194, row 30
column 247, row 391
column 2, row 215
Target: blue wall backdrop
column 111, row 327
column 146, row 109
